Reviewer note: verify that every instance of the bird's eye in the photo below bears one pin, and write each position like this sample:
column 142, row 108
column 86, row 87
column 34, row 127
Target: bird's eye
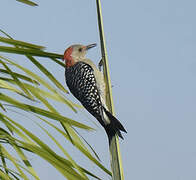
column 80, row 49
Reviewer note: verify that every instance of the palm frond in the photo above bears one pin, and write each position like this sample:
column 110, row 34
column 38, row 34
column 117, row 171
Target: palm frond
column 20, row 84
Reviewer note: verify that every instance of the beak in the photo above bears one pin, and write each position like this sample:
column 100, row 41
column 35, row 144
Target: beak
column 90, row 46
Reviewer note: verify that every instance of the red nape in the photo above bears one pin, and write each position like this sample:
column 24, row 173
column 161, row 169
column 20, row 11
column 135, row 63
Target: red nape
column 68, row 58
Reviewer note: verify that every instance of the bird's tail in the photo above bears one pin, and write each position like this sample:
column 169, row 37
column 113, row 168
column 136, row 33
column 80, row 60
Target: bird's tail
column 115, row 127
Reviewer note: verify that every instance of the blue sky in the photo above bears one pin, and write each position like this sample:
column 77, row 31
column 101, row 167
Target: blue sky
column 151, row 50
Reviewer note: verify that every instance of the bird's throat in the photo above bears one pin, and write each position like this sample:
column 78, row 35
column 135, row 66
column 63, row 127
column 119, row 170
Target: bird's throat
column 70, row 63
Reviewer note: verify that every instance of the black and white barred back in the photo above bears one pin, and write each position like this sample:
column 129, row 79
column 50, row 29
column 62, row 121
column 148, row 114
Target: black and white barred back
column 81, row 82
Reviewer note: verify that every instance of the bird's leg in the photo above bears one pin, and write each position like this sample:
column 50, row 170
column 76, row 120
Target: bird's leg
column 100, row 64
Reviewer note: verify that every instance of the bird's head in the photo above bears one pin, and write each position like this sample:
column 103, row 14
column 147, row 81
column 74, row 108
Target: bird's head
column 76, row 53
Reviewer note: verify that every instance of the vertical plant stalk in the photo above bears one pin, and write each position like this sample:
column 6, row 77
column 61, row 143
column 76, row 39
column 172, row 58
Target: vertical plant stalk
column 115, row 156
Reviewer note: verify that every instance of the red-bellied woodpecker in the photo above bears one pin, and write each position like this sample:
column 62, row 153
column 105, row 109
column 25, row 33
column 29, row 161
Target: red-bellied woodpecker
column 86, row 83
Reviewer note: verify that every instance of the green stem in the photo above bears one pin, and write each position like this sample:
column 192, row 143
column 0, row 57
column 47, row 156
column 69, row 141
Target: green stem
column 115, row 156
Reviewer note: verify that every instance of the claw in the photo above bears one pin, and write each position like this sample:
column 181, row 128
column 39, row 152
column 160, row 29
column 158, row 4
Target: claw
column 100, row 64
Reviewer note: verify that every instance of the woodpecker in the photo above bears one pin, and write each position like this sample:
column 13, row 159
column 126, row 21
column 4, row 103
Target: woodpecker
column 86, row 83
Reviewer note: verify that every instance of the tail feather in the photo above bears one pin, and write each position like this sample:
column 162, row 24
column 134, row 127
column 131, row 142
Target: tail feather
column 115, row 127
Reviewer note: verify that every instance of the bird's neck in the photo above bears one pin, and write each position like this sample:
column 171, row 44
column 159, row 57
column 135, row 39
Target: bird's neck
column 70, row 62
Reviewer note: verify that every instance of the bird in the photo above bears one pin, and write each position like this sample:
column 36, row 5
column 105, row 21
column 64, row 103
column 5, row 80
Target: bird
column 86, row 82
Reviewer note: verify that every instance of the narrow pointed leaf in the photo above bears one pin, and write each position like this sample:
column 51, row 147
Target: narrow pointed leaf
column 13, row 160
column 31, row 52
column 1, row 106
column 82, row 148
column 44, row 83
column 12, row 173
column 5, row 85
column 87, row 172
column 20, row 76
column 20, row 43
column 4, row 175
column 30, row 3
column 26, row 161
column 88, row 145
column 58, row 62
column 17, row 80
column 5, row 120
column 54, row 96
column 3, row 162
column 5, row 34
column 47, row 73
column 61, row 164
column 38, row 93
column 65, row 153
column 43, row 112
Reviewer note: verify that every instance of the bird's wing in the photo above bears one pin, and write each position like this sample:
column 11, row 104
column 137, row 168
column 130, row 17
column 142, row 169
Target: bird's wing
column 81, row 81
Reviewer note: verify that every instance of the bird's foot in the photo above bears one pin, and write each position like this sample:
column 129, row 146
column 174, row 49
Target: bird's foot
column 100, row 64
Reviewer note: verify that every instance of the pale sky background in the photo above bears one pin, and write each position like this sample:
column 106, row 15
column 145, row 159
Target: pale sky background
column 152, row 57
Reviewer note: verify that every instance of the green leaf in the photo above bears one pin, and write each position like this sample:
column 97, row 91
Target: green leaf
column 79, row 145
column 65, row 153
column 54, row 96
column 31, row 52
column 58, row 62
column 3, row 162
column 53, row 116
column 11, row 141
column 4, row 175
column 20, row 43
column 13, row 160
column 58, row 97
column 5, row 85
column 5, row 120
column 39, row 93
column 47, row 73
column 1, row 106
column 61, row 164
column 17, row 81
column 30, row 3
column 80, row 169
column 87, row 144
column 37, row 140
column 30, row 73
column 20, row 76
column 26, row 161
